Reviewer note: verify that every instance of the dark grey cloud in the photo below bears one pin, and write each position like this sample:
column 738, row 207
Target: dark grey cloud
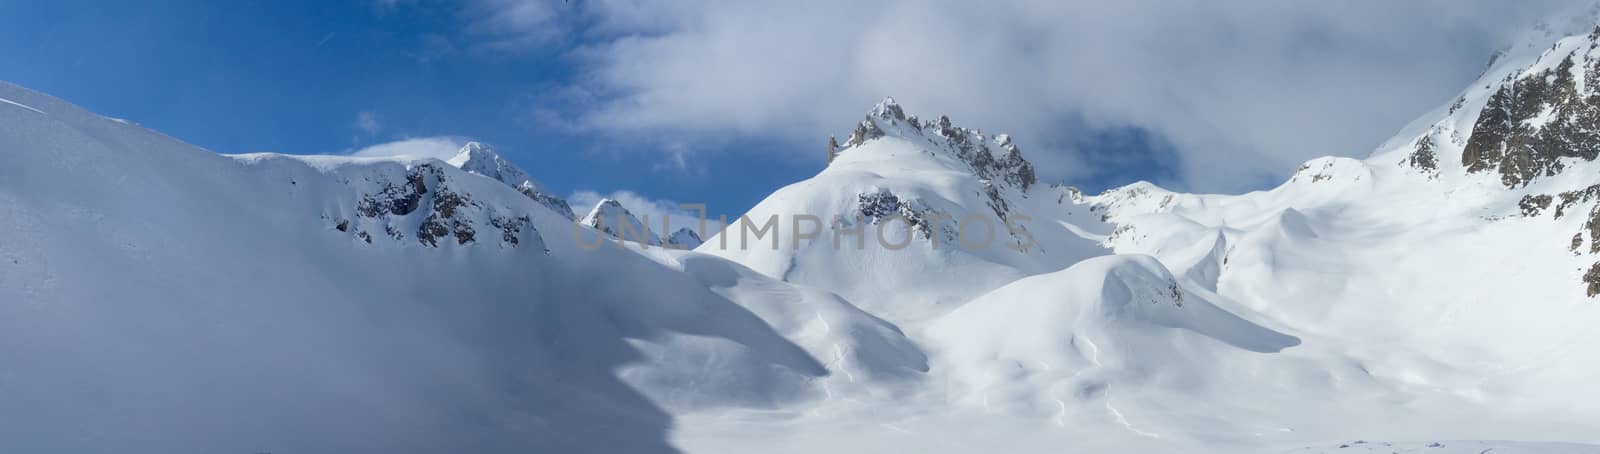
column 1239, row 89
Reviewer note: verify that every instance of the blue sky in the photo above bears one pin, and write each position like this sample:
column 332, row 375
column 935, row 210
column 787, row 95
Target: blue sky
column 723, row 102
column 295, row 76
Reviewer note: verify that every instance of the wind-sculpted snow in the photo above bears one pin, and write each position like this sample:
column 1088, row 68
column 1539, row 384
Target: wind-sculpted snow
column 922, row 293
column 912, row 218
column 1431, row 274
column 1075, row 332
column 155, row 297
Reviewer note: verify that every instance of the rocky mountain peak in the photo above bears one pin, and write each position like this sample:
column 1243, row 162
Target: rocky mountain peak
column 888, row 109
column 684, row 238
column 970, row 146
column 611, row 218
column 480, row 158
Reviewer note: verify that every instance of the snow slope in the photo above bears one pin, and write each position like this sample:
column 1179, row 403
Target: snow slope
column 156, row 297
column 610, row 217
column 912, row 218
column 923, row 293
column 1445, row 295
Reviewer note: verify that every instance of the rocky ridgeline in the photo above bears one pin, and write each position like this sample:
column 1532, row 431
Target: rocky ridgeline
column 553, row 202
column 481, row 159
column 969, row 145
column 1535, row 124
column 1535, row 119
column 997, row 162
column 423, row 196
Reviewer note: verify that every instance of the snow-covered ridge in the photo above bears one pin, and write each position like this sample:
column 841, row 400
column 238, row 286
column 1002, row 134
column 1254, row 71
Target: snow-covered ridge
column 970, row 146
column 398, row 202
column 481, row 159
column 911, row 217
column 684, row 238
column 423, row 305
column 149, row 285
column 610, row 217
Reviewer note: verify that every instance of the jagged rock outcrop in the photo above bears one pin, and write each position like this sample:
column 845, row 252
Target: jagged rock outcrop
column 1539, row 116
column 423, row 196
column 1000, row 172
column 1424, row 157
column 884, row 206
column 969, row 145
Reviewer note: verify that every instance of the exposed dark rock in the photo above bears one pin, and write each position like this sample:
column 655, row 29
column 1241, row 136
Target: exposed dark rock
column 398, row 200
column 1532, row 204
column 883, row 204
column 1593, row 226
column 1570, row 198
column 1424, row 157
column 1593, row 279
column 865, row 130
column 442, row 220
column 1509, row 138
column 511, row 228
column 833, row 149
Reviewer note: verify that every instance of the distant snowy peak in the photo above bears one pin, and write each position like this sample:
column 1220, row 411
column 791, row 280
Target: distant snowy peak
column 611, row 218
column 996, row 159
column 481, row 159
column 378, row 203
column 684, row 238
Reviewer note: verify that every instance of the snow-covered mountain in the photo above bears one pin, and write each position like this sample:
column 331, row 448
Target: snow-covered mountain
column 481, row 159
column 913, row 218
column 1444, row 283
column 609, row 217
column 684, row 238
column 922, row 293
column 157, row 297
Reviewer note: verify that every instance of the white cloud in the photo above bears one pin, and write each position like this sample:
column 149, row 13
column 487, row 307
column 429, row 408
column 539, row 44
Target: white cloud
column 642, row 207
column 1242, row 88
column 367, row 122
column 442, row 147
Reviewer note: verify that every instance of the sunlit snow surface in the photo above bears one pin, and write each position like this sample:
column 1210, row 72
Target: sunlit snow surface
column 156, row 297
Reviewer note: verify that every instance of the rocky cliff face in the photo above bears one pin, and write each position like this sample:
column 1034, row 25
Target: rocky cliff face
column 419, row 200
column 1539, row 116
